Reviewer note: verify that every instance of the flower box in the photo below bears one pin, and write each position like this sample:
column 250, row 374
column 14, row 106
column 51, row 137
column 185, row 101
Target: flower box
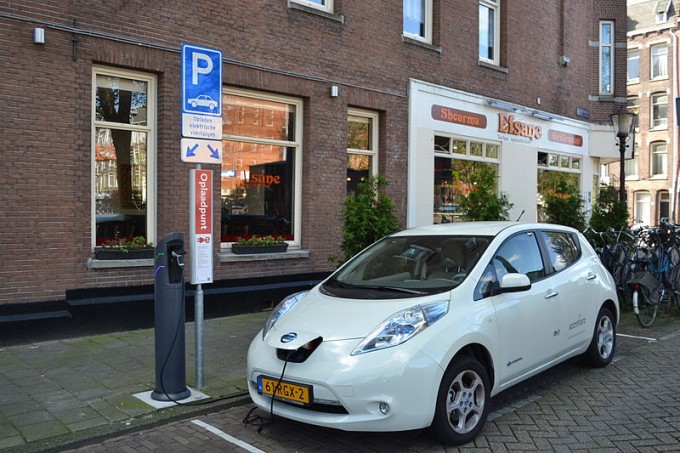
column 246, row 249
column 141, row 254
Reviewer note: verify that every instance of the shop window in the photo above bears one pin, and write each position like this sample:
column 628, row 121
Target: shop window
column 323, row 5
column 417, row 20
column 659, row 105
column 553, row 169
column 659, row 156
column 606, row 58
column 489, row 31
column 362, row 147
column 454, row 172
column 659, row 69
column 124, row 153
column 260, row 174
column 633, row 66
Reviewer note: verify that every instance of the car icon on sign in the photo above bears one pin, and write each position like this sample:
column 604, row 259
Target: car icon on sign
column 203, row 101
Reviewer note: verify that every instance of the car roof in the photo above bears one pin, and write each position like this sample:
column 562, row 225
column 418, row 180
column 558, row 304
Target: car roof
column 476, row 228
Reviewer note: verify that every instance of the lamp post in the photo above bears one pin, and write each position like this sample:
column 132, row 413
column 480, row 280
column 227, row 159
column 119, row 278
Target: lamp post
column 624, row 122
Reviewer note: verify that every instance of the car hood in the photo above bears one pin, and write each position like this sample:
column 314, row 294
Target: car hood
column 334, row 318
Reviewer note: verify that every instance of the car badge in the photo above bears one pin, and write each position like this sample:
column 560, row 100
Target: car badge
column 287, row 338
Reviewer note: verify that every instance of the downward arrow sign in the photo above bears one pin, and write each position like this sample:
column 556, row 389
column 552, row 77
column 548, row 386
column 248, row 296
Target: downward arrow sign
column 191, row 151
column 214, row 153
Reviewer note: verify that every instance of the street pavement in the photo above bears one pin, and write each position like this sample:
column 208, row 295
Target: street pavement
column 73, row 391
column 78, row 394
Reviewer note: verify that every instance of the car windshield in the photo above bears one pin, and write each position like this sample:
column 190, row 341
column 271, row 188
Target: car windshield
column 407, row 266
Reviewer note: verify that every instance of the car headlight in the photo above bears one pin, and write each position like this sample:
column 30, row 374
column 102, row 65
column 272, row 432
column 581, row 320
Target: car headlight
column 282, row 308
column 402, row 326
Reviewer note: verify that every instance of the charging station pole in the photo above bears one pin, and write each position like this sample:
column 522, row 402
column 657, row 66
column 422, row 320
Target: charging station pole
column 201, row 143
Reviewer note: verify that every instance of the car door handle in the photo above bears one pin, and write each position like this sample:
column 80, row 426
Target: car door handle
column 551, row 293
column 591, row 276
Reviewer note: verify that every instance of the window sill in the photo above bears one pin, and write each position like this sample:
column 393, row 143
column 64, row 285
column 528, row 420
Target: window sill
column 308, row 9
column 484, row 64
column 226, row 256
column 423, row 44
column 658, row 177
column 111, row 264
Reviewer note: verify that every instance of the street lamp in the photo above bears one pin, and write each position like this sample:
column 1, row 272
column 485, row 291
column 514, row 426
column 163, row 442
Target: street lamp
column 624, row 122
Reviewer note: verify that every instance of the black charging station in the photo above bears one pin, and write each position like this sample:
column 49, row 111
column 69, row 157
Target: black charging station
column 169, row 319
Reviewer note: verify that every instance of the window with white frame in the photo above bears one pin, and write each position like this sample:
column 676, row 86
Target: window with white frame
column 489, row 31
column 323, row 5
column 664, row 203
column 457, row 162
column 642, row 209
column 633, row 104
column 261, row 166
column 659, row 54
column 631, row 166
column 606, row 58
column 417, row 21
column 362, row 147
column 633, row 66
column 124, row 152
column 659, row 106
column 659, row 159
column 554, row 170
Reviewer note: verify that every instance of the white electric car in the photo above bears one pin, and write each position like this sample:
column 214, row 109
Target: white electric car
column 423, row 327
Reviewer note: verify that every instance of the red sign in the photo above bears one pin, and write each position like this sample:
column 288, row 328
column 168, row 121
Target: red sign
column 203, row 201
column 564, row 137
column 456, row 116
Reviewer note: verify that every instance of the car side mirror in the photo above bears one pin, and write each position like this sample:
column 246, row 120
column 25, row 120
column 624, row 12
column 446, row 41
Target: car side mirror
column 511, row 283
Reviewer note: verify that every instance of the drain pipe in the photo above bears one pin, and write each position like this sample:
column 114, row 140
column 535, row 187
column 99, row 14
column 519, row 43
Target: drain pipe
column 676, row 156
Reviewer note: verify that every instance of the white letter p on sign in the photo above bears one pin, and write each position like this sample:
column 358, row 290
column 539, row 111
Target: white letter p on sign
column 196, row 69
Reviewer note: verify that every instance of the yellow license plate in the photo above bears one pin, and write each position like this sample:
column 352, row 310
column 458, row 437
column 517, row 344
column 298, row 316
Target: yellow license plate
column 284, row 390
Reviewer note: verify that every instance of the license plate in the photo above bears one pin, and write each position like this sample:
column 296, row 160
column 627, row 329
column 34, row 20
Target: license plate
column 286, row 391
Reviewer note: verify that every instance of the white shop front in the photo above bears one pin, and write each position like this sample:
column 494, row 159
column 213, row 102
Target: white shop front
column 451, row 131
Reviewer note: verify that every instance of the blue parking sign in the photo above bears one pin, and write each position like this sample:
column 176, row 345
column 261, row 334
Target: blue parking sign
column 201, row 80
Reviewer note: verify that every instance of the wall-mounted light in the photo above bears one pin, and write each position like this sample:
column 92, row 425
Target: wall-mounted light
column 334, row 91
column 38, row 35
column 503, row 105
column 542, row 116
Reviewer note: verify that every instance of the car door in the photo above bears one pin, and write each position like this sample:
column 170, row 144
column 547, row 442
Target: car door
column 574, row 281
column 527, row 320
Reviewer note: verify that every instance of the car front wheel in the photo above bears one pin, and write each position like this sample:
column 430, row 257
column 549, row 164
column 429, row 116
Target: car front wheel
column 603, row 344
column 462, row 402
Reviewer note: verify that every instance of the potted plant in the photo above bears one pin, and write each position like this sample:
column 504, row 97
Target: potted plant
column 259, row 244
column 120, row 248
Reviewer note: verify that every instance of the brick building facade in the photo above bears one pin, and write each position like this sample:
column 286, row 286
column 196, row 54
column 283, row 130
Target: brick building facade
column 108, row 70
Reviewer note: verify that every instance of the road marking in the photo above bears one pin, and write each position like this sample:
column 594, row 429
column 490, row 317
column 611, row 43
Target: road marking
column 227, row 437
column 636, row 337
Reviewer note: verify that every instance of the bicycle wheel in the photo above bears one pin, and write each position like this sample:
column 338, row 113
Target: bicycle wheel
column 645, row 312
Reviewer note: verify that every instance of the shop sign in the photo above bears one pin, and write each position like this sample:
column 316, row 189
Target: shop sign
column 565, row 138
column 451, row 115
column 507, row 124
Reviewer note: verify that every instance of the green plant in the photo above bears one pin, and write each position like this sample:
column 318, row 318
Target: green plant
column 608, row 211
column 125, row 245
column 367, row 216
column 260, row 240
column 564, row 205
column 482, row 202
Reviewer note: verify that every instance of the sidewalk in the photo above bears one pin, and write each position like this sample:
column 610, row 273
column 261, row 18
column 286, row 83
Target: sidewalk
column 60, row 393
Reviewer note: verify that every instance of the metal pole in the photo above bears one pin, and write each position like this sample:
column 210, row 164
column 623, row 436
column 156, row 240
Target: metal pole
column 622, row 170
column 198, row 314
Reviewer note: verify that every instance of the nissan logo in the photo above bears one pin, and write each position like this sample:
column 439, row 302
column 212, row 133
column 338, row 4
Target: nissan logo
column 287, row 338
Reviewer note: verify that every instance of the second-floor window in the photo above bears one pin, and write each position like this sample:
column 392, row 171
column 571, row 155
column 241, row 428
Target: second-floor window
column 633, row 65
column 631, row 165
column 659, row 69
column 489, row 31
column 418, row 20
column 606, row 57
column 323, row 5
column 659, row 111
column 658, row 158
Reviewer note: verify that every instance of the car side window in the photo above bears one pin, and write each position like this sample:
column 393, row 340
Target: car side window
column 519, row 254
column 562, row 249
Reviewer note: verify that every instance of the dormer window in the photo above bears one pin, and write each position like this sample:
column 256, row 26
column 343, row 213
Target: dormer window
column 661, row 11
